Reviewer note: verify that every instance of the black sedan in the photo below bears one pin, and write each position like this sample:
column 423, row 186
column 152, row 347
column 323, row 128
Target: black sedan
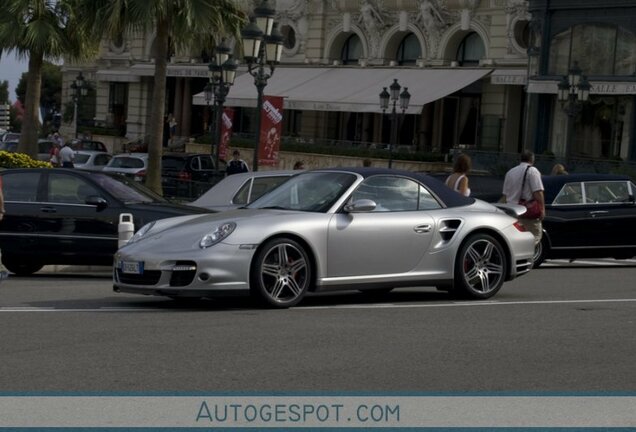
column 68, row 216
column 588, row 216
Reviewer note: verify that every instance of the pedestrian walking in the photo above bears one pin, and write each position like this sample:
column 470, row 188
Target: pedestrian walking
column 4, row 273
column 299, row 165
column 558, row 169
column 236, row 165
column 67, row 156
column 523, row 185
column 458, row 180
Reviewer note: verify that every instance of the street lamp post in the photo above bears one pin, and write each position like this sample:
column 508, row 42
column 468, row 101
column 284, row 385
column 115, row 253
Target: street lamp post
column 221, row 72
column 79, row 89
column 574, row 91
column 258, row 54
column 393, row 97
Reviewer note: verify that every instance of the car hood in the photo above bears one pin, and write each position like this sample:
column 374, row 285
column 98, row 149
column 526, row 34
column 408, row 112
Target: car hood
column 252, row 226
column 168, row 208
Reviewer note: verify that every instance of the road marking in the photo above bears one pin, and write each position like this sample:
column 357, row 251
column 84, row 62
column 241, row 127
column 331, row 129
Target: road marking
column 301, row 308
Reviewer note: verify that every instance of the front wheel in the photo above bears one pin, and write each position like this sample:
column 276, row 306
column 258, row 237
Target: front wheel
column 21, row 267
column 480, row 268
column 282, row 273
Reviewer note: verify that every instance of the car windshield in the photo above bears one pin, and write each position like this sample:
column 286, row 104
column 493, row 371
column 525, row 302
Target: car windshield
column 312, row 191
column 126, row 190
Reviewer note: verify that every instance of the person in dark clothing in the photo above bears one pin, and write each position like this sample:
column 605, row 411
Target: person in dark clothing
column 236, row 165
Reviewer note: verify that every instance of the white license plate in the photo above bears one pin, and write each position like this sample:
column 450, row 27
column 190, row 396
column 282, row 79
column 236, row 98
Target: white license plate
column 132, row 267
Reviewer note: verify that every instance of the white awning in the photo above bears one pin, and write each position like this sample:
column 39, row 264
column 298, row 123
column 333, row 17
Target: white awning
column 509, row 77
column 349, row 89
column 598, row 87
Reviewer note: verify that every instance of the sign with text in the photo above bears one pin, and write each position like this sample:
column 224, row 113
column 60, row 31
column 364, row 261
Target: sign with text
column 227, row 120
column 271, row 127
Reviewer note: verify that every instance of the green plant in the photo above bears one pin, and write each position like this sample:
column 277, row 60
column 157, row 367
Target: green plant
column 20, row 160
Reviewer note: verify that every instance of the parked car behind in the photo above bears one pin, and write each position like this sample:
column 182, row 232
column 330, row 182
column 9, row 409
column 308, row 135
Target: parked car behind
column 188, row 175
column 240, row 189
column 91, row 160
column 83, row 144
column 588, row 216
column 133, row 165
column 69, row 216
column 485, row 187
column 9, row 146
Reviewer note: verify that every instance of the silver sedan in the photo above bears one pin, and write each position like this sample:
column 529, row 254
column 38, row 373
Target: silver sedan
column 335, row 229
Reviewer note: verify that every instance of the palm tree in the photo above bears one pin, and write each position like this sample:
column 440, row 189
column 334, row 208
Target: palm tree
column 41, row 29
column 180, row 23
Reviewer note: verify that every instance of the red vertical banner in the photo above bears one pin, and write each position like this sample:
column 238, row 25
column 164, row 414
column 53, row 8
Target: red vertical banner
column 271, row 127
column 227, row 120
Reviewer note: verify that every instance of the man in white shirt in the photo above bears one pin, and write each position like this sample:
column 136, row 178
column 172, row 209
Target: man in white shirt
column 66, row 156
column 532, row 190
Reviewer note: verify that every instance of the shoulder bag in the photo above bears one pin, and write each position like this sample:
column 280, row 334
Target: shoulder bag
column 533, row 207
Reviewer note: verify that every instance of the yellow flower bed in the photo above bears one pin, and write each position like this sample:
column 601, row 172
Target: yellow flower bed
column 20, row 160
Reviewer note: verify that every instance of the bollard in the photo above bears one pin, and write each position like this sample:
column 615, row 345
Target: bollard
column 126, row 228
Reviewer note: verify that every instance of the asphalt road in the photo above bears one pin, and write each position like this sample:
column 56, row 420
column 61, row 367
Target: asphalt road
column 568, row 327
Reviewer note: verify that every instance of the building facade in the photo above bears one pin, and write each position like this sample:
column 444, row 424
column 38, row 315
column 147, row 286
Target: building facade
column 482, row 74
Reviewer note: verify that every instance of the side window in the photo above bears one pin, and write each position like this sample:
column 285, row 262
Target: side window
column 390, row 193
column 101, row 160
column 206, row 163
column 427, row 201
column 262, row 185
column 194, row 164
column 20, row 187
column 607, row 192
column 67, row 189
column 243, row 193
column 570, row 193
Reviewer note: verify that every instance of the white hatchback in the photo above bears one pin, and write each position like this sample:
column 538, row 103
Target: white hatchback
column 130, row 164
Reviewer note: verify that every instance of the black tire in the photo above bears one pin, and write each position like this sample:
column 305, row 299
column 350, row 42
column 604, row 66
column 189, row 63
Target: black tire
column 282, row 273
column 480, row 267
column 21, row 267
column 540, row 252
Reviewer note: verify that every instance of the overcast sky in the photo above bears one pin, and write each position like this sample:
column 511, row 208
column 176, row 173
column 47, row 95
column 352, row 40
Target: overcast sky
column 11, row 70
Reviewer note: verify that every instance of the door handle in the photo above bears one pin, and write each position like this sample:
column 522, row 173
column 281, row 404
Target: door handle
column 422, row 228
column 48, row 210
column 598, row 212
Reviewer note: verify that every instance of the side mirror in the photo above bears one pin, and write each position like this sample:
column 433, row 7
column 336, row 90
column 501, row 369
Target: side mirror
column 96, row 201
column 360, row 206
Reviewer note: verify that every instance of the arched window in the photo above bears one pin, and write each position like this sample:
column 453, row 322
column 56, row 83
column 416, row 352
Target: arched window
column 409, row 50
column 351, row 50
column 470, row 50
column 599, row 49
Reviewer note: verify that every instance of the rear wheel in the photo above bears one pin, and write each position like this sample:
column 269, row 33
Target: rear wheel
column 540, row 252
column 21, row 267
column 480, row 268
column 282, row 273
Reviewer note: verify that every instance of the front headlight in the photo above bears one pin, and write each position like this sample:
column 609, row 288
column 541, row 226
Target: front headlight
column 218, row 234
column 142, row 232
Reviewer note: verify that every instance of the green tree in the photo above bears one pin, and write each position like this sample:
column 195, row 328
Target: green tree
column 50, row 91
column 4, row 92
column 40, row 29
column 176, row 24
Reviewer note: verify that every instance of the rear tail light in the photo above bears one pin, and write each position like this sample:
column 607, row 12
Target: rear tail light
column 184, row 175
column 519, row 226
column 139, row 176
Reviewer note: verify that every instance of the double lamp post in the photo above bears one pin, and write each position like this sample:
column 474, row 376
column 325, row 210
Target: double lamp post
column 262, row 47
column 79, row 89
column 574, row 91
column 392, row 97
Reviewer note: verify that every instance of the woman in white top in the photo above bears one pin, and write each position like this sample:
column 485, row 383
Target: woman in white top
column 458, row 180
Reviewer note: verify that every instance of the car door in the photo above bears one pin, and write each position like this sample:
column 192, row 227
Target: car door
column 77, row 228
column 23, row 224
column 592, row 214
column 389, row 241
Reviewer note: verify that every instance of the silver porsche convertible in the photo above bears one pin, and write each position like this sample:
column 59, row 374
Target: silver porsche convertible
column 333, row 229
